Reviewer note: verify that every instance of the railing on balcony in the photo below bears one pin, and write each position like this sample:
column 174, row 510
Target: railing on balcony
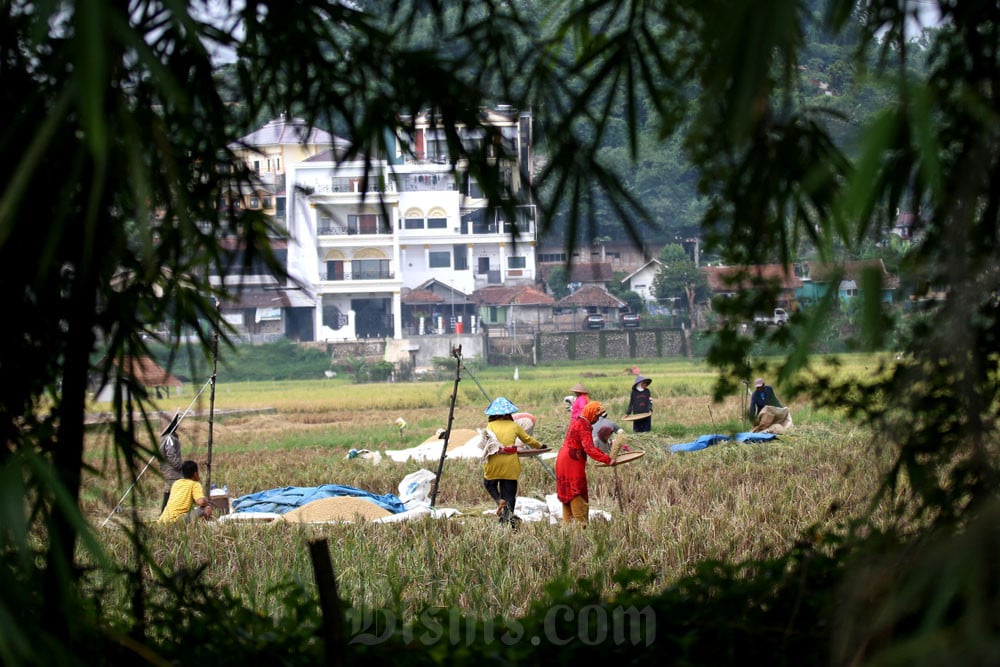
column 479, row 221
column 426, row 182
column 330, row 227
column 350, row 184
column 357, row 275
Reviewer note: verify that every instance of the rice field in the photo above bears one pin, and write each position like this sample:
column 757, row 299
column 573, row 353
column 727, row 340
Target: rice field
column 666, row 512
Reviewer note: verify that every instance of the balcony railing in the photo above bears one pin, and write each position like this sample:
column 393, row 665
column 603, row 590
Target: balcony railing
column 360, row 275
column 333, row 228
column 426, row 182
column 350, row 184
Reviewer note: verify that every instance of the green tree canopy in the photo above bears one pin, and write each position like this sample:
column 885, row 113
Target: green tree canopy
column 679, row 278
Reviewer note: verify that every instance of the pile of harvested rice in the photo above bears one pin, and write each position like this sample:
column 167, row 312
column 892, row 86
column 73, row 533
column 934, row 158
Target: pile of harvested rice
column 458, row 438
column 337, row 508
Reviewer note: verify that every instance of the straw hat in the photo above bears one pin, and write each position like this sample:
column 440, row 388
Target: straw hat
column 578, row 388
column 171, row 425
column 640, row 379
column 759, row 382
column 500, row 406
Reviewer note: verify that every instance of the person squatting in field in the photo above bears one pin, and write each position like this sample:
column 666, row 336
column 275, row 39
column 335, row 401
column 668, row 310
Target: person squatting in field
column 571, row 464
column 187, row 495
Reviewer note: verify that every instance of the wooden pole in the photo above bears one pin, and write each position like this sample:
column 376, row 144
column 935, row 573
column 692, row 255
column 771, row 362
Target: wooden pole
column 211, row 404
column 332, row 629
column 457, row 353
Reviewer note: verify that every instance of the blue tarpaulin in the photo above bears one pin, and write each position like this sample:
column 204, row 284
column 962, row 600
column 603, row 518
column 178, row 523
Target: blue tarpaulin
column 707, row 440
column 279, row 501
column 755, row 437
column 701, row 443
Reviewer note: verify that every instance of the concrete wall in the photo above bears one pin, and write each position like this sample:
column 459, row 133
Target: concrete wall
column 611, row 344
column 540, row 348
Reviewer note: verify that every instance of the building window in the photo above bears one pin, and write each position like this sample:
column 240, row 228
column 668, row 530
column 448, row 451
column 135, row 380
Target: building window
column 267, row 202
column 551, row 257
column 370, row 269
column 335, row 269
column 439, row 260
column 516, row 262
column 254, row 202
column 436, row 144
column 413, row 223
column 461, row 258
column 366, row 224
column 437, row 223
column 471, row 188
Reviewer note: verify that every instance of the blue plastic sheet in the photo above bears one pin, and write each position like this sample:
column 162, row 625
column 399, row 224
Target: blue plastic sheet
column 714, row 438
column 279, row 501
column 701, row 443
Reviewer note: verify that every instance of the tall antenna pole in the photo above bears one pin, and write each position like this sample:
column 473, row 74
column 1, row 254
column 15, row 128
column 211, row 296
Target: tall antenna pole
column 211, row 401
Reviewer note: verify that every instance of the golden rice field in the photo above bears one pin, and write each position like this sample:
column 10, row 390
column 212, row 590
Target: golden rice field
column 667, row 511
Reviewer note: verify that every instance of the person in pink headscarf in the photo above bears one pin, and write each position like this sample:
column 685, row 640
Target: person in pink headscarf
column 582, row 398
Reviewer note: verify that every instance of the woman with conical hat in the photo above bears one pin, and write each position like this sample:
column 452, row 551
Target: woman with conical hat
column 641, row 402
column 582, row 398
column 571, row 464
column 501, row 465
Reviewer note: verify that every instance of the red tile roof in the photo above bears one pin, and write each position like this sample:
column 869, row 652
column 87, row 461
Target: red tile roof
column 592, row 296
column 731, row 278
column 420, row 296
column 505, row 296
column 147, row 372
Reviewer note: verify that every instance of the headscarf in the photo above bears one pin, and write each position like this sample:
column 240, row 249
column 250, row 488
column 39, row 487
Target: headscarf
column 592, row 411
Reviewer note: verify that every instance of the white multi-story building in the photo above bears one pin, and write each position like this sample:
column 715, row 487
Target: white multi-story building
column 362, row 232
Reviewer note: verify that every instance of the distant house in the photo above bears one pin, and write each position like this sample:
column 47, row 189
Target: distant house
column 731, row 280
column 590, row 300
column 144, row 372
column 513, row 306
column 442, row 306
column 261, row 314
column 640, row 281
column 907, row 226
column 582, row 274
column 847, row 279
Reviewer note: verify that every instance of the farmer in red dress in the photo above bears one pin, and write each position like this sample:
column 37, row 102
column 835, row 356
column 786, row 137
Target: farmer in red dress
column 571, row 464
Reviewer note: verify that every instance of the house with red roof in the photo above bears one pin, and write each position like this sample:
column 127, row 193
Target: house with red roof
column 511, row 307
column 731, row 280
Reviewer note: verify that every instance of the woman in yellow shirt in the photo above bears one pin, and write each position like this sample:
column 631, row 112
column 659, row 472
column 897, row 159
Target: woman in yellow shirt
column 502, row 467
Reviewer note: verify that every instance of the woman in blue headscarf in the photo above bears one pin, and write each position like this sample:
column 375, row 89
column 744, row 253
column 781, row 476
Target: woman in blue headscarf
column 501, row 465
